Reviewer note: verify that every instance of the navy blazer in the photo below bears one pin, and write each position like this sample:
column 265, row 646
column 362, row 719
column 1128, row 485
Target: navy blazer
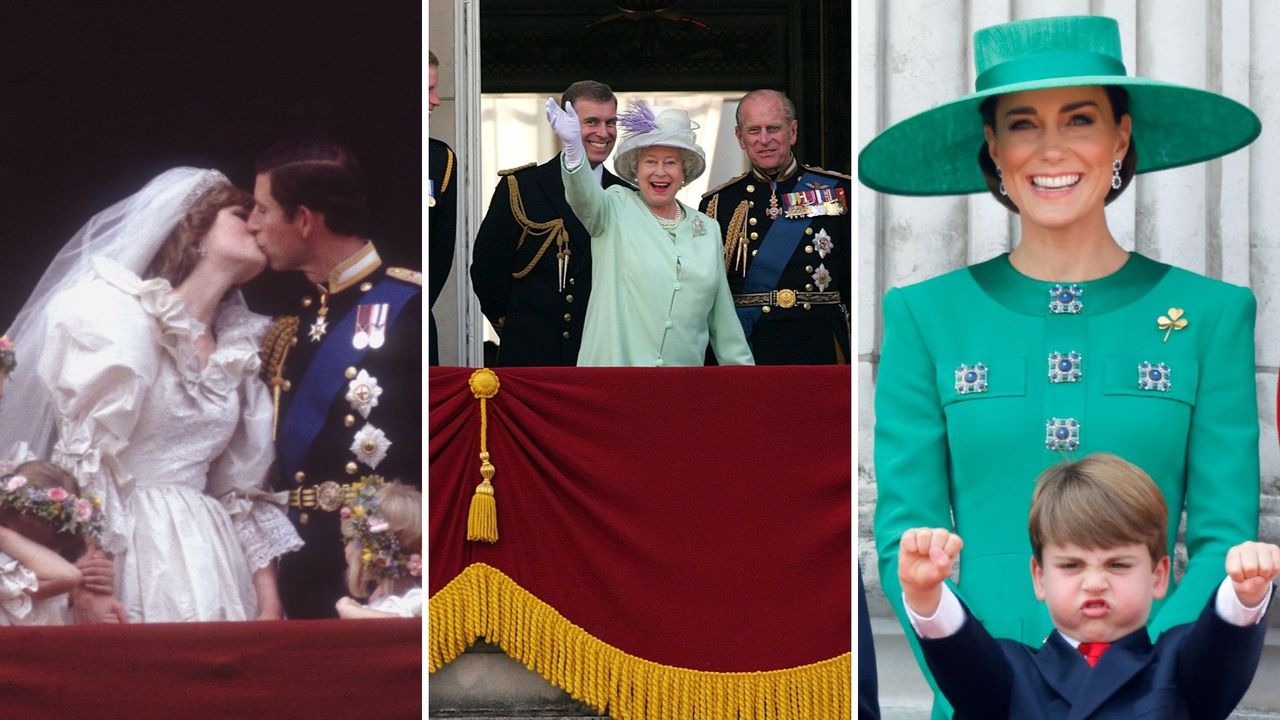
column 1197, row 671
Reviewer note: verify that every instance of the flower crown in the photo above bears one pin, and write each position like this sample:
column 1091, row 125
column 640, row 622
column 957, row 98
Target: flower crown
column 68, row 513
column 379, row 548
column 8, row 359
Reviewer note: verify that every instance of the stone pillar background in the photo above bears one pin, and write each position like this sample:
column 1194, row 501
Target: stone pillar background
column 1220, row 218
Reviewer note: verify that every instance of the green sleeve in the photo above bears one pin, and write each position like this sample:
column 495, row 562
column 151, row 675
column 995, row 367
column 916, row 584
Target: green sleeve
column 588, row 200
column 912, row 487
column 1222, row 461
column 728, row 341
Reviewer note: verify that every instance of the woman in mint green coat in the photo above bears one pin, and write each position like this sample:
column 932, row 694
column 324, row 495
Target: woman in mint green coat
column 1069, row 344
column 659, row 293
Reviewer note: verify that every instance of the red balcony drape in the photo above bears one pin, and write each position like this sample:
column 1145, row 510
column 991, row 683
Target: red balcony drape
column 690, row 521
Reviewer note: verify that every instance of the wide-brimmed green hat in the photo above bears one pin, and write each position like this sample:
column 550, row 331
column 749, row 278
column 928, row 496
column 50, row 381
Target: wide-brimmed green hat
column 936, row 152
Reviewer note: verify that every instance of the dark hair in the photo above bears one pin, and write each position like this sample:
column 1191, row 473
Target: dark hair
column 432, row 60
column 45, row 476
column 1099, row 502
column 180, row 251
column 322, row 175
column 788, row 107
column 589, row 89
column 1119, row 98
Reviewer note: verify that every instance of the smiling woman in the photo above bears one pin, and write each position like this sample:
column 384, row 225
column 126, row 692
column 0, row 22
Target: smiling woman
column 1068, row 343
column 659, row 292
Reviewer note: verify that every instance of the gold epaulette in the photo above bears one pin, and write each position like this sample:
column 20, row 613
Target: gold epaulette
column 823, row 171
column 725, row 184
column 508, row 171
column 405, row 275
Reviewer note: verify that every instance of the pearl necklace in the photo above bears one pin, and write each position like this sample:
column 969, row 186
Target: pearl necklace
column 666, row 223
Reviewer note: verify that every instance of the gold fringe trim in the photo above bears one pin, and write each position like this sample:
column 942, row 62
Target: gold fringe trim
column 482, row 517
column 482, row 602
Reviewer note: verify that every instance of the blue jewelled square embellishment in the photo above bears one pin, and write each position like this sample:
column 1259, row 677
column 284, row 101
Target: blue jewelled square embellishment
column 1065, row 299
column 1065, row 367
column 971, row 379
column 1062, row 434
column 1154, row 376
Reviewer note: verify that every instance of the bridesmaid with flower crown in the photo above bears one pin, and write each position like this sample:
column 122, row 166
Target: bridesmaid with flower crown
column 383, row 532
column 42, row 524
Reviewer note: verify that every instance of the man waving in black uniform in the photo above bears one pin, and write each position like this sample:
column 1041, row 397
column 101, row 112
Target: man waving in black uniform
column 787, row 241
column 531, row 266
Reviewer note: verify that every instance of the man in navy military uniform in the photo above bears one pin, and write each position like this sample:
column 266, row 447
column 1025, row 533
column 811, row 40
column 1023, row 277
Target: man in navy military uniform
column 531, row 266
column 346, row 370
column 442, row 206
column 787, row 241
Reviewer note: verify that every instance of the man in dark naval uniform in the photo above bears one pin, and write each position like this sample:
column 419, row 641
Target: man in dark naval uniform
column 531, row 266
column 442, row 207
column 345, row 370
column 787, row 241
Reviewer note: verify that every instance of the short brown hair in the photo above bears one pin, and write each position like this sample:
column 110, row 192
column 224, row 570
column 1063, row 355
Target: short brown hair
column 1119, row 99
column 322, row 175
column 1099, row 502
column 181, row 250
column 589, row 89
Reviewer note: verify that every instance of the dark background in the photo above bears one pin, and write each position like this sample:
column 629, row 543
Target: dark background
column 801, row 47
column 95, row 99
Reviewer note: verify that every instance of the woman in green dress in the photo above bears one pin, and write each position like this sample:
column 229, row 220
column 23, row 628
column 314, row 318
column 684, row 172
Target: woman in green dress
column 1069, row 344
column 659, row 293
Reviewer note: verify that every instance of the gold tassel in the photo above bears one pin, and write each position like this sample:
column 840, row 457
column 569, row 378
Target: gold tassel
column 482, row 518
column 483, row 602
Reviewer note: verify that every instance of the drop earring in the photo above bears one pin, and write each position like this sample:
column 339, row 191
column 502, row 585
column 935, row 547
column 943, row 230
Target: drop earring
column 1000, row 174
column 1116, row 182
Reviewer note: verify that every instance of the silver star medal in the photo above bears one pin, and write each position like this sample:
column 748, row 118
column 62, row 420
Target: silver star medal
column 822, row 278
column 370, row 446
column 318, row 329
column 363, row 392
column 822, row 243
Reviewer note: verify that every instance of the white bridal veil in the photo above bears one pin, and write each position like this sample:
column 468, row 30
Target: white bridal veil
column 130, row 232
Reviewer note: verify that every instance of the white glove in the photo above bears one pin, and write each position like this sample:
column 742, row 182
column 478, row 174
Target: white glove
column 564, row 121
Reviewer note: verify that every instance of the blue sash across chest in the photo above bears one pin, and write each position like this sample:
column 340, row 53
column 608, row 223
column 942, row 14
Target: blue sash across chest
column 324, row 377
column 775, row 251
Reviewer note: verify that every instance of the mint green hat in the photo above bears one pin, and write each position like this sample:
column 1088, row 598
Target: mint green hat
column 936, row 151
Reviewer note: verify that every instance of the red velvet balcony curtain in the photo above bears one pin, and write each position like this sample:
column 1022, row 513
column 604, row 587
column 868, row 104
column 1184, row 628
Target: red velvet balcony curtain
column 285, row 670
column 692, row 520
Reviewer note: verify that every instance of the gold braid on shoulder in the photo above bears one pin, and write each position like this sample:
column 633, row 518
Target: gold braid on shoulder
column 282, row 336
column 448, row 170
column 712, row 205
column 553, row 230
column 735, row 239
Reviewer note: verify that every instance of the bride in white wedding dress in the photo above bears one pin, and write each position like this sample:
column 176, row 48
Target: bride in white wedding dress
column 141, row 380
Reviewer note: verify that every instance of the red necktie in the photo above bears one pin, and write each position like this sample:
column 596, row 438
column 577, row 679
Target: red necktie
column 1092, row 651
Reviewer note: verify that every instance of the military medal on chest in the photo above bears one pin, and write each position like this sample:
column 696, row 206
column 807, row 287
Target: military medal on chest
column 321, row 324
column 371, row 326
column 817, row 201
column 774, row 209
column 363, row 392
